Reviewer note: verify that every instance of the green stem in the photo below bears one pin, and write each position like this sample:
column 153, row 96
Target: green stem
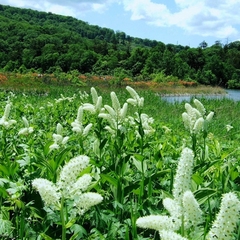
column 81, row 145
column 204, row 148
column 142, row 181
column 141, row 131
column 134, row 219
column 194, row 143
column 63, row 219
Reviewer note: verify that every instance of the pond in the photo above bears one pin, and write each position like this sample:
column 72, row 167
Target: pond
column 230, row 94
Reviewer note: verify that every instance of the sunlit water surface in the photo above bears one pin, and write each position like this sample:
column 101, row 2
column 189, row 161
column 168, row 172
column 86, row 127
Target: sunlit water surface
column 230, row 94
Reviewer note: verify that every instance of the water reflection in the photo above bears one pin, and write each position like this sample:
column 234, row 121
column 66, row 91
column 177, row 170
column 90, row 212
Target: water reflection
column 233, row 94
column 230, row 94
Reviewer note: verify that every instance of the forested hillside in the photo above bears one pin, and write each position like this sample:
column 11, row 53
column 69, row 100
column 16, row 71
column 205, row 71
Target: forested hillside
column 46, row 42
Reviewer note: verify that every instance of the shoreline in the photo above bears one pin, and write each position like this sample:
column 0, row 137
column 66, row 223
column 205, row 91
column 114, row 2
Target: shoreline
column 190, row 94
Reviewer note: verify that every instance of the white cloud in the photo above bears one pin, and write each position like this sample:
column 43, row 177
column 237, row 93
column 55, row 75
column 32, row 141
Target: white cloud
column 204, row 17
column 185, row 3
column 148, row 11
column 70, row 7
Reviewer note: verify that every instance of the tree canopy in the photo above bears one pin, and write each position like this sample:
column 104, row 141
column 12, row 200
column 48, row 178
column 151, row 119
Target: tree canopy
column 45, row 42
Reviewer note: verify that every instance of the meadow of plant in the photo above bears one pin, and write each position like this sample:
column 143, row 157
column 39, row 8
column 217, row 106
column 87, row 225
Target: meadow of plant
column 94, row 163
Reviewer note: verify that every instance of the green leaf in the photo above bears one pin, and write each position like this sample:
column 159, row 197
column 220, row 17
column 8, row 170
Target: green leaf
column 2, row 181
column 160, row 174
column 110, row 179
column 139, row 165
column 45, row 236
column 13, row 168
column 234, row 175
column 70, row 223
column 86, row 170
column 19, row 204
column 46, row 148
column 79, row 231
column 139, row 157
column 136, row 191
column 4, row 170
column 166, row 194
column 102, row 144
column 117, row 204
column 61, row 157
column 204, row 194
column 197, row 178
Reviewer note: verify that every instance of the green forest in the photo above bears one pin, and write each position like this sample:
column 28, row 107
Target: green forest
column 46, row 42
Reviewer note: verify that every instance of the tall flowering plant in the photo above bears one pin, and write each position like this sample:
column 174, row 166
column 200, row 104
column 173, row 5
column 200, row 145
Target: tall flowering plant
column 80, row 129
column 5, row 142
column 4, row 120
column 69, row 194
column 196, row 121
column 142, row 125
column 125, row 135
column 58, row 138
column 115, row 115
column 185, row 216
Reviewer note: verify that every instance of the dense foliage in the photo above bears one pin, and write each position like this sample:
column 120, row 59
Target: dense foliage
column 48, row 42
column 131, row 165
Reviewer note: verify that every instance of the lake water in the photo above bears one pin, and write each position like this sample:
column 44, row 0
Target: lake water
column 230, row 94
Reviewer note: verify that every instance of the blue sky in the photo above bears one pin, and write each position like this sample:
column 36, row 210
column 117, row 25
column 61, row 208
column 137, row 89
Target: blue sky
column 184, row 22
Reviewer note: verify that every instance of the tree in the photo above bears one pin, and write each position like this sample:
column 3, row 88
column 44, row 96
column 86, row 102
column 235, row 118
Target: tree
column 181, row 68
column 137, row 60
column 87, row 61
column 168, row 62
column 203, row 45
column 195, row 58
column 206, row 77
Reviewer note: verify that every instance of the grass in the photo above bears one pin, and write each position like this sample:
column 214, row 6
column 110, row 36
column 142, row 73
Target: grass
column 48, row 82
column 133, row 170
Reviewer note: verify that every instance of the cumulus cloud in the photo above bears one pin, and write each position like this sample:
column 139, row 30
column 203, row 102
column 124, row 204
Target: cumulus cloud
column 147, row 10
column 206, row 18
column 73, row 8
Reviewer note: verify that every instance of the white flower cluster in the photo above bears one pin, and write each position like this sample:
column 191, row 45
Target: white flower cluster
column 135, row 100
column 27, row 129
column 185, row 211
column 48, row 191
column 5, row 121
column 145, row 122
column 70, row 99
column 77, row 125
column 227, row 218
column 58, row 138
column 229, row 127
column 96, row 107
column 183, row 208
column 115, row 115
column 169, row 235
column 194, row 119
column 141, row 118
column 182, row 180
column 87, row 200
column 191, row 211
column 83, row 95
column 70, row 173
column 156, row 222
column 69, row 186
